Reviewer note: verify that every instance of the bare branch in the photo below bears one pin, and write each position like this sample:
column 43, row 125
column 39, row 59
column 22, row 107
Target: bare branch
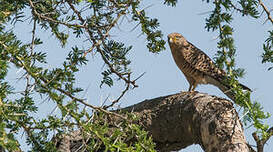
column 121, row 95
column 261, row 142
column 267, row 11
column 33, row 36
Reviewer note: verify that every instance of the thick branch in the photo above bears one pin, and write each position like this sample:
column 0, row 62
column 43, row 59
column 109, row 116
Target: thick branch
column 177, row 121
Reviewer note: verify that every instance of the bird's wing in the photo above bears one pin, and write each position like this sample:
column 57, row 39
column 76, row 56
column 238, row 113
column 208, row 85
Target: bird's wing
column 201, row 62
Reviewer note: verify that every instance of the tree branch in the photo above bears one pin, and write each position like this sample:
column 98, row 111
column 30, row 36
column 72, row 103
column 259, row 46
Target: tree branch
column 180, row 120
column 96, row 44
column 267, row 11
column 261, row 142
column 43, row 17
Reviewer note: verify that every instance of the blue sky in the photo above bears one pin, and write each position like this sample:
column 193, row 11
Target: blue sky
column 162, row 76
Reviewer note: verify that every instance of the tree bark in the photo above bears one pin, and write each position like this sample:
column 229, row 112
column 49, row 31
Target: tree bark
column 180, row 120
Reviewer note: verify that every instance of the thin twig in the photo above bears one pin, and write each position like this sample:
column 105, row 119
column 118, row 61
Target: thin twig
column 121, row 95
column 43, row 17
column 140, row 76
column 267, row 11
column 123, row 92
column 33, row 37
column 34, row 76
column 98, row 42
column 236, row 8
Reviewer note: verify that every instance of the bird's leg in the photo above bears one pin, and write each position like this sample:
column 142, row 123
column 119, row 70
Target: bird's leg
column 190, row 88
column 194, row 86
column 191, row 83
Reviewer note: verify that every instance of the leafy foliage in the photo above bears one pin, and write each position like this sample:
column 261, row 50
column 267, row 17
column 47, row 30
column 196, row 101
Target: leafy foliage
column 70, row 18
column 58, row 83
column 268, row 49
column 220, row 19
column 170, row 2
column 116, row 138
column 148, row 26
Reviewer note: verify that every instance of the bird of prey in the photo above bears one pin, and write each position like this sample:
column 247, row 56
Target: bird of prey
column 197, row 67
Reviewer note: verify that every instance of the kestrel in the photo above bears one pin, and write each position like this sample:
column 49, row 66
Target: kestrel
column 197, row 67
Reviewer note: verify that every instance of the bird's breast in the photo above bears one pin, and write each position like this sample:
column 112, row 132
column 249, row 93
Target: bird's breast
column 190, row 71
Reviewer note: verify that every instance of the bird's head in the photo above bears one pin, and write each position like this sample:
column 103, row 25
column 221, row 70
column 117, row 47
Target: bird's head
column 176, row 39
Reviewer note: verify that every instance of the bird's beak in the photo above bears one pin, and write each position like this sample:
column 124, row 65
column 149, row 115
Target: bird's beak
column 171, row 40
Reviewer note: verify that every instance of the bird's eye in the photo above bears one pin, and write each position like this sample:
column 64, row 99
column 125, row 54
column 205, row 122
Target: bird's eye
column 177, row 37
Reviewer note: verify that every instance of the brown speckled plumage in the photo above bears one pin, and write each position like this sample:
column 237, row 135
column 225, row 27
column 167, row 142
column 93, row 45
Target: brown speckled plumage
column 197, row 67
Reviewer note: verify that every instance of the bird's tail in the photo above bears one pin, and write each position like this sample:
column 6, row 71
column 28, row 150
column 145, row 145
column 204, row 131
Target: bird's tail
column 226, row 89
column 245, row 87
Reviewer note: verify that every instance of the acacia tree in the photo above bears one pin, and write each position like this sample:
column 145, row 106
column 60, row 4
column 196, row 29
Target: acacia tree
column 94, row 20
